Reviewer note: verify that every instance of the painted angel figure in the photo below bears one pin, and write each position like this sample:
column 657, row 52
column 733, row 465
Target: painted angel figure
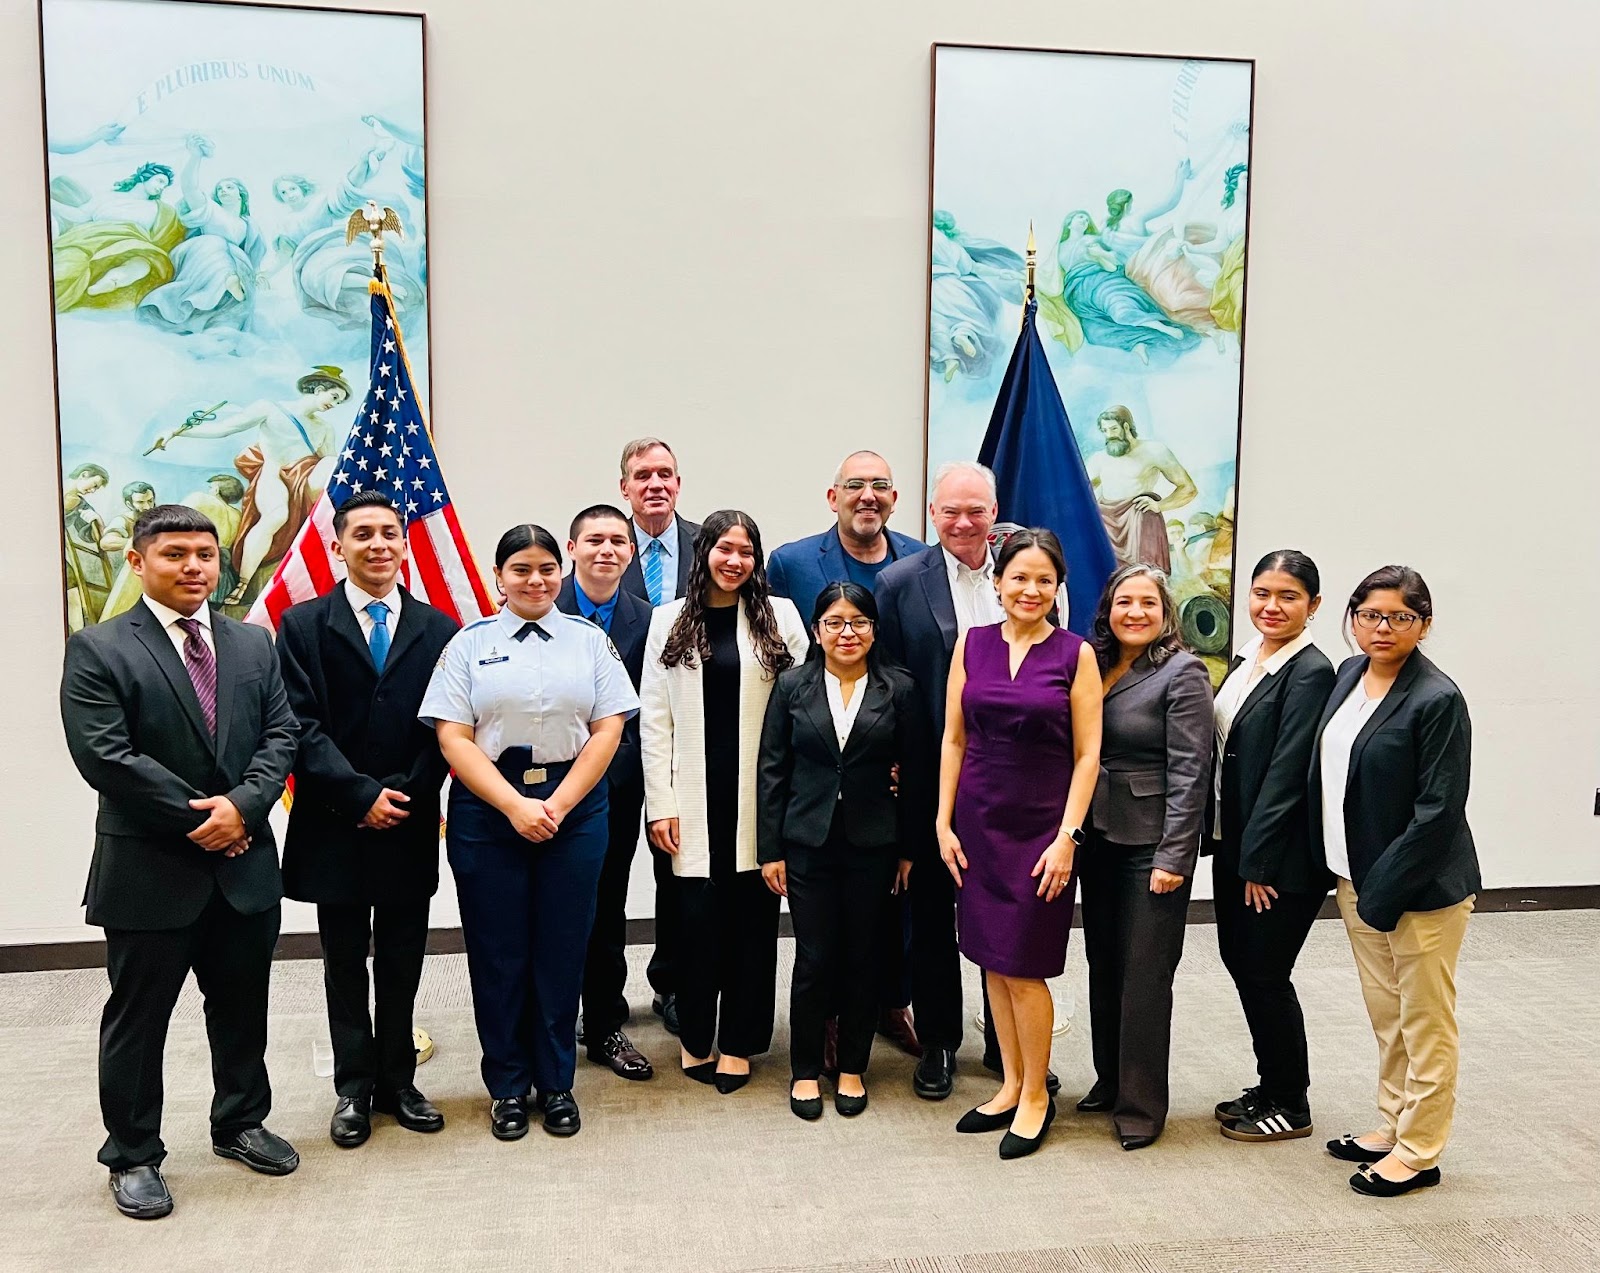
column 1160, row 260
column 113, row 251
column 972, row 280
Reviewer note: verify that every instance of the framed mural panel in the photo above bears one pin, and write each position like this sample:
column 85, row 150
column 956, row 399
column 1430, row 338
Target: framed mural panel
column 203, row 160
column 1134, row 171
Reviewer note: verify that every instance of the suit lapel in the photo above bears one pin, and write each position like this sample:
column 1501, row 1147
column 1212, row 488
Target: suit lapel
column 342, row 621
column 872, row 708
column 155, row 639
column 831, row 554
column 623, row 622
column 685, row 554
column 1390, row 705
column 813, row 704
column 407, row 631
column 1343, row 683
column 936, row 584
column 1142, row 670
column 229, row 652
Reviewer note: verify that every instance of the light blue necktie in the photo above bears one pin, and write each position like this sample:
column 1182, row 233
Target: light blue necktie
column 652, row 570
column 379, row 642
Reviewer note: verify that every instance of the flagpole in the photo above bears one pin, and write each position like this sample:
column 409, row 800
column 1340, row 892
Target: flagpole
column 1033, row 262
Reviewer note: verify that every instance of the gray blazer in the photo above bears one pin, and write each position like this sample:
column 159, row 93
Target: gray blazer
column 1155, row 760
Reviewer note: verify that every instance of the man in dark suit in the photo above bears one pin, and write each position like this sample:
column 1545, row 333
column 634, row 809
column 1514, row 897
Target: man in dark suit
column 176, row 715
column 857, row 548
column 663, row 547
column 601, row 550
column 363, row 841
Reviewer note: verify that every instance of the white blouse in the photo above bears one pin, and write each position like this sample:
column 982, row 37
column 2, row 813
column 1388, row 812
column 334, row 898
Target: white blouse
column 1230, row 698
column 844, row 716
column 1337, row 741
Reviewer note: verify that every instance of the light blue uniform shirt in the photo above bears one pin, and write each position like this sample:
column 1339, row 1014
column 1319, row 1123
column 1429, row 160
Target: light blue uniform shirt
column 536, row 692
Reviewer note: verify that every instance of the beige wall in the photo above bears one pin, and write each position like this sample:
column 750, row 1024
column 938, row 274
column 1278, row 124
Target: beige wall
column 708, row 221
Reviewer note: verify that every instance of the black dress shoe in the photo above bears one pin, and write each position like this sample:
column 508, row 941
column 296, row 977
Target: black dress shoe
column 141, row 1193
column 561, row 1117
column 1137, row 1142
column 1348, row 1149
column 412, row 1110
column 1373, row 1185
column 1014, row 1146
column 728, row 1084
column 352, row 1121
column 705, row 1072
column 806, row 1107
column 849, row 1106
column 935, row 1074
column 1099, row 1100
column 666, row 1007
column 508, row 1117
column 625, row 1060
column 259, row 1150
column 976, row 1121
column 897, row 1025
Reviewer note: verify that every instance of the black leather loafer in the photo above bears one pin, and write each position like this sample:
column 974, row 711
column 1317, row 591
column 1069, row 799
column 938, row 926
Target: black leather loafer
column 412, row 1110
column 561, row 1117
column 351, row 1123
column 666, row 1007
column 508, row 1117
column 1373, row 1185
column 626, row 1061
column 259, row 1150
column 935, row 1075
column 1098, row 1100
column 141, row 1193
column 849, row 1106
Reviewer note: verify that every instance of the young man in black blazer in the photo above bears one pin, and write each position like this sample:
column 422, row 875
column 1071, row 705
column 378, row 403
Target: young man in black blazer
column 176, row 715
column 363, row 840
column 601, row 550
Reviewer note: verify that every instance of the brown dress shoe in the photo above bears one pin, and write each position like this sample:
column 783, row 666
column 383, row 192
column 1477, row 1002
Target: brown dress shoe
column 896, row 1025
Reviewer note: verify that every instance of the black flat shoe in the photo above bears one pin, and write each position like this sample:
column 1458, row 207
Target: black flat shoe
column 806, row 1107
column 935, row 1075
column 728, row 1084
column 626, row 1061
column 560, row 1110
column 976, row 1121
column 508, row 1117
column 1373, row 1185
column 705, row 1072
column 849, row 1106
column 351, row 1123
column 1137, row 1142
column 1014, row 1146
column 666, row 1007
column 1098, row 1100
column 140, row 1193
column 1348, row 1149
column 259, row 1150
column 411, row 1109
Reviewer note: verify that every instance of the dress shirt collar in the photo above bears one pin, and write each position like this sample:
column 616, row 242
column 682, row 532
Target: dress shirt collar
column 668, row 537
column 601, row 612
column 1275, row 663
column 167, row 616
column 511, row 623
column 954, row 566
column 359, row 600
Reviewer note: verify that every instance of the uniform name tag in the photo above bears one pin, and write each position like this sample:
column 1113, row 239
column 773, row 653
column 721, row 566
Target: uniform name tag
column 531, row 776
column 494, row 658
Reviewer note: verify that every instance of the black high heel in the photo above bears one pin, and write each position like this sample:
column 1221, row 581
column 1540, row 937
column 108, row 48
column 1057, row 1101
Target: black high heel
column 1014, row 1146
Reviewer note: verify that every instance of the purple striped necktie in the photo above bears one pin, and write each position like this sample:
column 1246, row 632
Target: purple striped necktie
column 202, row 665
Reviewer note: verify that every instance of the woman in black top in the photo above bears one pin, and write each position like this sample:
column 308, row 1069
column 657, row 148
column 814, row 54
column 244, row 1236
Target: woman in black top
column 830, row 836
column 1267, row 882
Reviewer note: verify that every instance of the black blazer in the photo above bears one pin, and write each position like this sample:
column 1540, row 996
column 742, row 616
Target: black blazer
column 802, row 774
column 1155, row 760
column 633, row 576
column 137, row 735
column 359, row 733
column 630, row 629
column 917, row 628
column 1405, row 800
column 1266, row 830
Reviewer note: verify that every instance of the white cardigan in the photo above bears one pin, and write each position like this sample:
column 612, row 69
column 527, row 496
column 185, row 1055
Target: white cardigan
column 672, row 736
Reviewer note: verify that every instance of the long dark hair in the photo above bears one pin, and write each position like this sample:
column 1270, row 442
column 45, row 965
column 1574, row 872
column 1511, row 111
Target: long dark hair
column 861, row 598
column 687, row 642
column 1107, row 649
column 1411, row 586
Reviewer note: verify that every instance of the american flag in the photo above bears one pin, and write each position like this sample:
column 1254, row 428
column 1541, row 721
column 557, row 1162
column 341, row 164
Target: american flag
column 388, row 449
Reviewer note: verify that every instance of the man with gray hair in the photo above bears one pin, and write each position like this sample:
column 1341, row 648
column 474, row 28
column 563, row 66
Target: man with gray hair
column 663, row 542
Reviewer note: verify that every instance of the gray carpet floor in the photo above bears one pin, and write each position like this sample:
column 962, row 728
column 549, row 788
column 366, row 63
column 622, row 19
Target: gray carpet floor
column 667, row 1175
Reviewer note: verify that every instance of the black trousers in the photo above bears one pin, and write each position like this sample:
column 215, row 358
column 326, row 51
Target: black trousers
column 728, row 963
column 372, row 1051
column 836, row 897
column 231, row 956
column 893, row 956
column 1259, row 953
column 662, row 970
column 605, row 968
column 935, row 958
column 1133, row 939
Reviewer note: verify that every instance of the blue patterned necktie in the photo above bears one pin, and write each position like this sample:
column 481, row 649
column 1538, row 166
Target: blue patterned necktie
column 378, row 643
column 651, row 566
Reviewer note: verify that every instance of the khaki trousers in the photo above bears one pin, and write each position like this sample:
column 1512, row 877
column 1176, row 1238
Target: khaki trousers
column 1408, row 979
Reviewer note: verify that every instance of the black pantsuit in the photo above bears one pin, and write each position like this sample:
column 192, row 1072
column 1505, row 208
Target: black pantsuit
column 1259, row 952
column 662, row 971
column 231, row 957
column 730, row 954
column 372, row 1051
column 1133, row 940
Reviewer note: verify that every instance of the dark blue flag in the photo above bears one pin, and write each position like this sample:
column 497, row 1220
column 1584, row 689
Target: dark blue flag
column 1040, row 473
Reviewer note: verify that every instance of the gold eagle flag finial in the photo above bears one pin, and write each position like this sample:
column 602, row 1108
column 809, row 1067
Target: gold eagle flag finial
column 376, row 221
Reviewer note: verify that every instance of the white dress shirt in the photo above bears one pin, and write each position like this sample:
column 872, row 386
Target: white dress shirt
column 844, row 714
column 169, row 617
column 1231, row 697
column 977, row 604
column 1337, row 741
column 669, row 555
column 359, row 601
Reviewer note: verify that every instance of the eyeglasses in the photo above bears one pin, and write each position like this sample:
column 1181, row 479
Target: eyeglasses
column 879, row 485
column 1400, row 621
column 834, row 624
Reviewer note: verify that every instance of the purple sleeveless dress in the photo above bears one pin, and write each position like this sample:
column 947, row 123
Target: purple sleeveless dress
column 1011, row 797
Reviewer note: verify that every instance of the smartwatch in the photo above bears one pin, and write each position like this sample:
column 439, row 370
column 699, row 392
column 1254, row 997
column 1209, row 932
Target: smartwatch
column 1076, row 836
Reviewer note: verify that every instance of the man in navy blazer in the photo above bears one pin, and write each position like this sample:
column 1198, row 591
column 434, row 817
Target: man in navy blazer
column 857, row 548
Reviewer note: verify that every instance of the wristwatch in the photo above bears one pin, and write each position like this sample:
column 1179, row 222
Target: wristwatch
column 1076, row 836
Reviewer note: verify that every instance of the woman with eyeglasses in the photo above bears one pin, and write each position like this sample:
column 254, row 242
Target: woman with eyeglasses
column 831, row 836
column 1388, row 800
column 710, row 663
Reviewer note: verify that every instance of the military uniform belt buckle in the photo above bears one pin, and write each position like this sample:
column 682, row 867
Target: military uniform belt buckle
column 532, row 776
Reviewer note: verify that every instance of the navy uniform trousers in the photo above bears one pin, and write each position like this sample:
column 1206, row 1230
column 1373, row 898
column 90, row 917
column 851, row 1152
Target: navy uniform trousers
column 526, row 912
